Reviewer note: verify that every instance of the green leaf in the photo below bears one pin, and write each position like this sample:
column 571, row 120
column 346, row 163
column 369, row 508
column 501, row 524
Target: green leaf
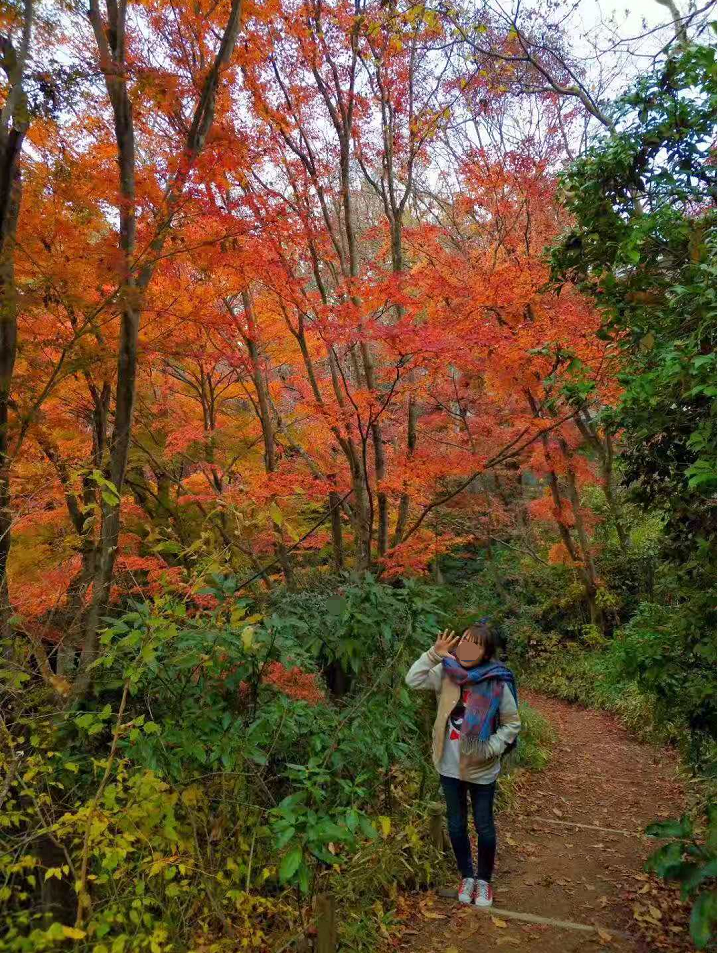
column 290, row 863
column 672, row 828
column 284, row 838
column 304, row 878
column 666, row 859
column 367, row 828
column 326, row 830
column 703, row 918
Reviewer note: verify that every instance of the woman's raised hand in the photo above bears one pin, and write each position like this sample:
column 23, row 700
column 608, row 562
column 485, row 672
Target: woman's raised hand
column 446, row 643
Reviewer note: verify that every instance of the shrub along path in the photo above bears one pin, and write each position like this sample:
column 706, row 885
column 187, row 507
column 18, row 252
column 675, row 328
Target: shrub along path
column 571, row 850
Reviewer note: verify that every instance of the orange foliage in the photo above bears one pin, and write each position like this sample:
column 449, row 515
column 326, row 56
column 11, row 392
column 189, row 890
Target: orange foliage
column 285, row 351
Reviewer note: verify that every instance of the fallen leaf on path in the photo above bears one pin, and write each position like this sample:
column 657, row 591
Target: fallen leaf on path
column 451, row 949
column 504, row 940
column 511, row 841
column 557, row 812
column 654, row 912
column 604, row 936
column 498, row 922
column 430, row 915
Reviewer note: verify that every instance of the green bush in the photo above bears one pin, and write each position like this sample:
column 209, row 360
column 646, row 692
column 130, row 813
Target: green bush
column 536, row 739
column 689, row 858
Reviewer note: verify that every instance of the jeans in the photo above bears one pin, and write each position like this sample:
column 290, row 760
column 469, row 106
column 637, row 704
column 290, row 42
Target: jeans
column 482, row 805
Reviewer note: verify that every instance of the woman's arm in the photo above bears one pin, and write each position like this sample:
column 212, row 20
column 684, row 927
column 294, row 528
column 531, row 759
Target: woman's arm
column 426, row 671
column 509, row 724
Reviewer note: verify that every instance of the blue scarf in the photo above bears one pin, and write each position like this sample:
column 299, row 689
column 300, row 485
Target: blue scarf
column 481, row 717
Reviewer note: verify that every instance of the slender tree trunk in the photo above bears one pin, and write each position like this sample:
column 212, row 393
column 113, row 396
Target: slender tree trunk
column 111, row 44
column 584, row 558
column 14, row 121
column 8, row 351
column 337, row 543
column 110, row 36
column 266, row 422
column 403, row 513
column 589, row 566
column 359, row 512
column 604, row 449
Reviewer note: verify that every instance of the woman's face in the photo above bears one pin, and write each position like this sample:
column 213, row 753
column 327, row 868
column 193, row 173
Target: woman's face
column 468, row 653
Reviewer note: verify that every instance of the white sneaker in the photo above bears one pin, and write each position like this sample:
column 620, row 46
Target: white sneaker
column 484, row 896
column 466, row 890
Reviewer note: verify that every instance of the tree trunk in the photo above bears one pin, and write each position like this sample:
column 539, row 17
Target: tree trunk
column 584, row 559
column 604, row 448
column 13, row 128
column 266, row 423
column 110, row 36
column 337, row 543
column 8, row 351
column 403, row 514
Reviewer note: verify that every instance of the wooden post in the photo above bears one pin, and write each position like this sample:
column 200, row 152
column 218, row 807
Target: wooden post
column 326, row 924
column 436, row 824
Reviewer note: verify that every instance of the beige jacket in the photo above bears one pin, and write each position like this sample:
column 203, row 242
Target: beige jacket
column 481, row 768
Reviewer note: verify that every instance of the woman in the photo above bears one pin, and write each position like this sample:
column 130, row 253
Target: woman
column 477, row 719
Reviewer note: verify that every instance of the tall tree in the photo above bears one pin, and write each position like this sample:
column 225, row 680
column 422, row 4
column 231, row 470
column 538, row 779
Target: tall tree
column 138, row 263
column 14, row 121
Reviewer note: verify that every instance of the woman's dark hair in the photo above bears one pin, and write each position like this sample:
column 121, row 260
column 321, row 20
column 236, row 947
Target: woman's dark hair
column 482, row 633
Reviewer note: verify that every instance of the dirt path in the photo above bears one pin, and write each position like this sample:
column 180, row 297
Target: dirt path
column 549, row 866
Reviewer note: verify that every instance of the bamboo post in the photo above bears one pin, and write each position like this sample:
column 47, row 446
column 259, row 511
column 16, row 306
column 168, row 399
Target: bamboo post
column 326, row 924
column 436, row 824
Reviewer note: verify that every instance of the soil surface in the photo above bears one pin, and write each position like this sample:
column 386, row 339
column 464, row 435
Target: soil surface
column 548, row 865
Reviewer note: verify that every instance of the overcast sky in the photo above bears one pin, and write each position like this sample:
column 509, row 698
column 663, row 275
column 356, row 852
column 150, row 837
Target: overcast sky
column 631, row 18
column 601, row 23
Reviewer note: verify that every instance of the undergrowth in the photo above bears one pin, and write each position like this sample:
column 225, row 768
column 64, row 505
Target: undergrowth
column 231, row 764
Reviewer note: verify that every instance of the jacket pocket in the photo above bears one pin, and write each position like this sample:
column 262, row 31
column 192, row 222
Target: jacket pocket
column 480, row 757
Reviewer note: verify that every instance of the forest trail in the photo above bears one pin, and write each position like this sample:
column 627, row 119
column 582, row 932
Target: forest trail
column 549, row 866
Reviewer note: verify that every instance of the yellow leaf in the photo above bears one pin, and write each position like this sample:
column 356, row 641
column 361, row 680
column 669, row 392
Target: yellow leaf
column 654, row 912
column 60, row 684
column 430, row 915
column 385, row 826
column 190, row 795
column 248, row 637
column 451, row 949
column 603, row 935
column 498, row 922
column 73, row 933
